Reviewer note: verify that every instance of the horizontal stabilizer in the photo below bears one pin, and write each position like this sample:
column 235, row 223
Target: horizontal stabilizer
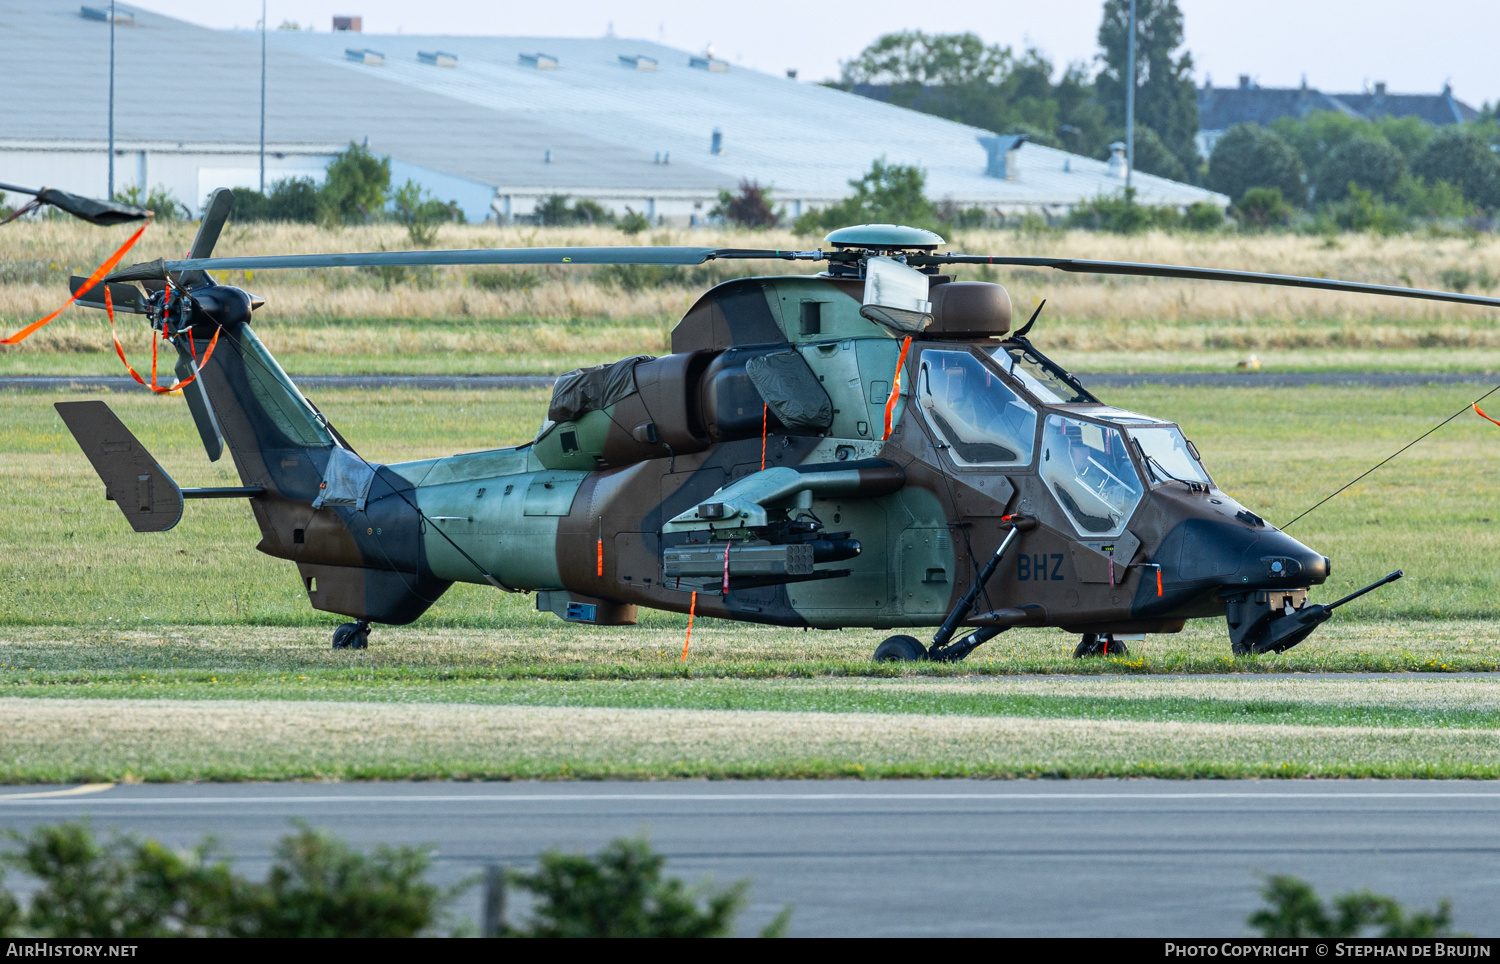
column 151, row 501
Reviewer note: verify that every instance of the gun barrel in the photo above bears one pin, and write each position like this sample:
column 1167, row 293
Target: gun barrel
column 1370, row 588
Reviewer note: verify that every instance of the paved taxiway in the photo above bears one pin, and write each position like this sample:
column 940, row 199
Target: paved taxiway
column 908, row 858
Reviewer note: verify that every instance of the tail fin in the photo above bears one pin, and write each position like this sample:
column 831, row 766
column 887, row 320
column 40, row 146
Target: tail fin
column 151, row 501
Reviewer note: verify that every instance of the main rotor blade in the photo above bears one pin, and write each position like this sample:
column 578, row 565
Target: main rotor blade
column 468, row 256
column 215, row 213
column 1204, row 274
column 93, row 210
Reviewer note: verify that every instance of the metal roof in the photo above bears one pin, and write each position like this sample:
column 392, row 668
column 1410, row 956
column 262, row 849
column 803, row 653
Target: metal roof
column 493, row 117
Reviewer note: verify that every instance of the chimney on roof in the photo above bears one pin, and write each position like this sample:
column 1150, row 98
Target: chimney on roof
column 1244, row 81
column 716, row 143
column 1117, row 166
column 351, row 24
column 1379, row 88
column 791, row 73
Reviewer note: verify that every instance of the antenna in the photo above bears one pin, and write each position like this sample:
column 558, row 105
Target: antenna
column 1031, row 321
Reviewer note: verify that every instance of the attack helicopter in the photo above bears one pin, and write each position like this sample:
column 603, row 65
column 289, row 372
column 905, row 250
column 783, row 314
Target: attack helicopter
column 869, row 446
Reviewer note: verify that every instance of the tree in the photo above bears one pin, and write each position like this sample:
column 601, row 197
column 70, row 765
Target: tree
column 1366, row 162
column 959, row 77
column 1462, row 157
column 912, row 57
column 1151, row 155
column 1248, row 156
column 1166, row 99
column 422, row 213
column 887, row 193
column 1295, row 910
column 749, row 207
column 357, row 186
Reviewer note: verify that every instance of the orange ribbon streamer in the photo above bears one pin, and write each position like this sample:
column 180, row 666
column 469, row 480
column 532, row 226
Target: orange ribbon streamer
column 109, row 309
column 1480, row 412
column 765, row 414
column 93, row 279
column 692, row 607
column 890, row 403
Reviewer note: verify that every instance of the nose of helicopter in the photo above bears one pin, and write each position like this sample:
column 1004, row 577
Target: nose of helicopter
column 1201, row 554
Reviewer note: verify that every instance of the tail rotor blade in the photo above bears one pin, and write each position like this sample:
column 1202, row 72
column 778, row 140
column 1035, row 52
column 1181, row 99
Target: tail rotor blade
column 215, row 213
column 198, row 403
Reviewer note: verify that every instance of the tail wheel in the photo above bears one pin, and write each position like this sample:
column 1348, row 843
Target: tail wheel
column 352, row 636
column 1100, row 644
column 900, row 649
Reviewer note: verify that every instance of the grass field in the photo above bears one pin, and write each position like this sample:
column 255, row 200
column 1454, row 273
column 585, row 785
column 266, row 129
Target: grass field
column 554, row 319
column 187, row 655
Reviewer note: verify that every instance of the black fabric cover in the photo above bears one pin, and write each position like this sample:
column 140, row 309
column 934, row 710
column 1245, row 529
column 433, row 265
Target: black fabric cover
column 586, row 390
column 791, row 390
column 94, row 211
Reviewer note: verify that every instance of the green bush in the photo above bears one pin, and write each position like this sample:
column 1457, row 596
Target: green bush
column 422, row 213
column 318, row 887
column 160, row 200
column 1367, row 162
column 1295, row 910
column 1364, row 210
column 634, row 222
column 1263, row 207
column 1203, row 216
column 291, row 199
column 1462, row 157
column 357, row 186
column 1121, row 214
column 555, row 211
column 749, row 207
column 1248, row 156
column 128, row 888
column 621, row 893
column 886, row 194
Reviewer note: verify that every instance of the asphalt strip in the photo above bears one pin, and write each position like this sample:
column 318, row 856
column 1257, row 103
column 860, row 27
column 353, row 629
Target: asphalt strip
column 112, row 383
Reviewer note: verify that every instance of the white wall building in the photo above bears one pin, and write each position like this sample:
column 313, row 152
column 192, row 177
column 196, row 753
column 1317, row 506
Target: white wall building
column 495, row 123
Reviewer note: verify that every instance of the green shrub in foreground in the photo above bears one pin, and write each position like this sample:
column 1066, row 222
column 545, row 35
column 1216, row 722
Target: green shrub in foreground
column 1295, row 910
column 126, row 887
column 622, row 894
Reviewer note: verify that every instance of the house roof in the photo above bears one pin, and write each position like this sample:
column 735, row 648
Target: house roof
column 1220, row 108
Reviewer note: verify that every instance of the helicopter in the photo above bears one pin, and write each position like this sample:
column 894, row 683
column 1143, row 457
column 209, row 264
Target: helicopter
column 869, row 446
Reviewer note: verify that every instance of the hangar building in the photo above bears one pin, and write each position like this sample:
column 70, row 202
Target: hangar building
column 495, row 123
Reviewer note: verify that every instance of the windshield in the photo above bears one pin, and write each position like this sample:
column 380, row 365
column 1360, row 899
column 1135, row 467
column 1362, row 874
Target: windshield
column 968, row 405
column 1041, row 379
column 1167, row 456
column 1090, row 473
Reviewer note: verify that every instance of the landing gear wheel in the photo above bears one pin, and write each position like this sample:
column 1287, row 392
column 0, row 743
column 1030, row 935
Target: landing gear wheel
column 1100, row 644
column 352, row 635
column 900, row 649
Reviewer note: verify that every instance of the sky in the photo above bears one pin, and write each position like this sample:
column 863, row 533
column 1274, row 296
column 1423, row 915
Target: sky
column 1339, row 45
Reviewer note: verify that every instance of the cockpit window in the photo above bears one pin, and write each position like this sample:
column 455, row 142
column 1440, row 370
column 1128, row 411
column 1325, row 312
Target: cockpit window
column 1041, row 378
column 1089, row 471
column 968, row 405
column 1167, row 456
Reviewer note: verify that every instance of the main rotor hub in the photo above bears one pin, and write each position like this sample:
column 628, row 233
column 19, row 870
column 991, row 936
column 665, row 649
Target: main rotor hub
column 855, row 243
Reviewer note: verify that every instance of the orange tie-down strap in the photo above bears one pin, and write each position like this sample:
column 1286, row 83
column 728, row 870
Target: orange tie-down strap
column 1480, row 412
column 890, row 403
column 109, row 309
column 94, row 279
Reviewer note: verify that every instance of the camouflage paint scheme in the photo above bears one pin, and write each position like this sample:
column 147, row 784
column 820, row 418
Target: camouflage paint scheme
column 536, row 517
